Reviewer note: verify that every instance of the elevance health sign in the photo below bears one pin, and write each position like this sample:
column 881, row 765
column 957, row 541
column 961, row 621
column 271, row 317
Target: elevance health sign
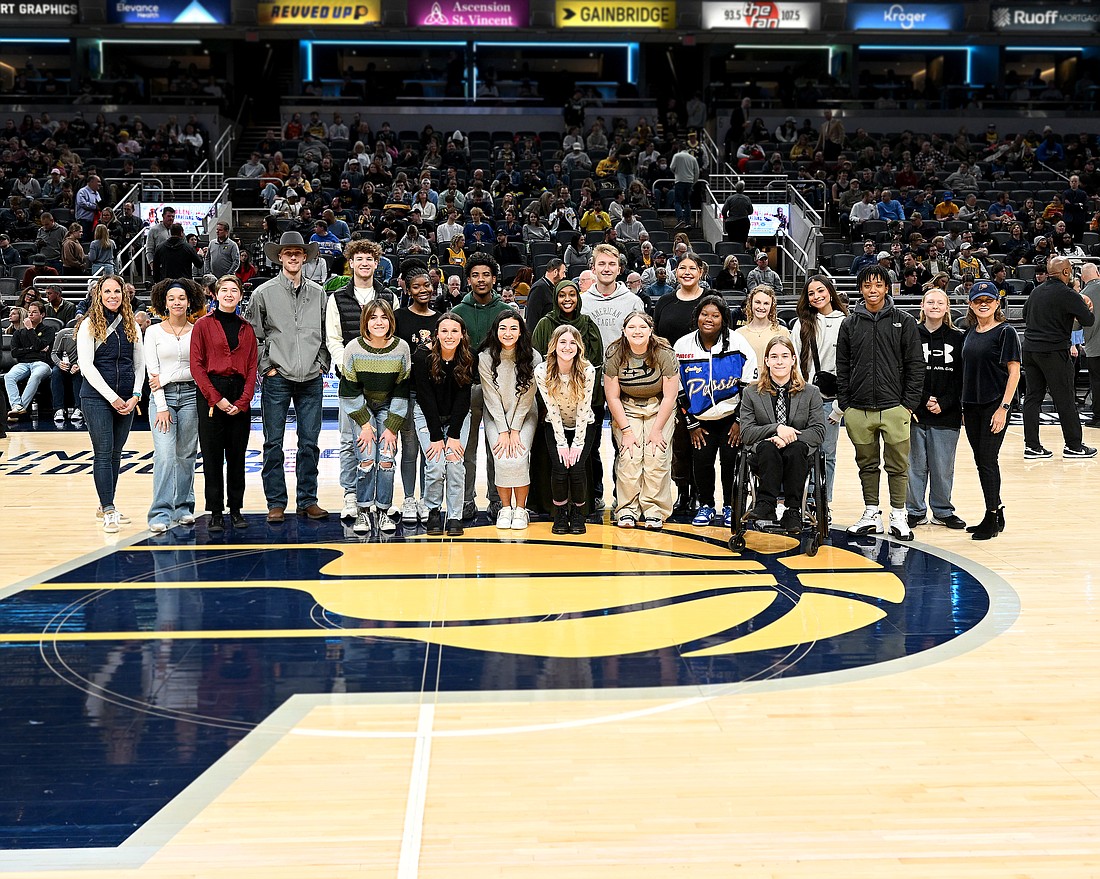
column 168, row 11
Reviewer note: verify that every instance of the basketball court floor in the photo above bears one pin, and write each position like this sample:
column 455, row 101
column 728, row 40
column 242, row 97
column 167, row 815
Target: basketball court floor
column 295, row 702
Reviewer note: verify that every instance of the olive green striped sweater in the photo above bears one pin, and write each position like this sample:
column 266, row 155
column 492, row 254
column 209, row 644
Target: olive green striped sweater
column 380, row 377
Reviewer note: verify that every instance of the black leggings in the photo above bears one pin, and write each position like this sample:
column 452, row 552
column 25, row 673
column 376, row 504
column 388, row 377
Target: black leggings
column 717, row 444
column 571, row 483
column 987, row 447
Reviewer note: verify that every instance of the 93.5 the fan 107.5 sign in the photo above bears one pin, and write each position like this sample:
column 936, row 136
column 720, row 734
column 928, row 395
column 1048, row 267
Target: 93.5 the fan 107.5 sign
column 760, row 15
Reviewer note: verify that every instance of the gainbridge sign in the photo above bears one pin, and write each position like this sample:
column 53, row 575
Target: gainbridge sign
column 647, row 14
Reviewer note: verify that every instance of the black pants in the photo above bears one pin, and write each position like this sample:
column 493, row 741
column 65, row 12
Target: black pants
column 781, row 471
column 738, row 230
column 1094, row 386
column 1053, row 370
column 571, row 483
column 987, row 447
column 702, row 460
column 223, row 439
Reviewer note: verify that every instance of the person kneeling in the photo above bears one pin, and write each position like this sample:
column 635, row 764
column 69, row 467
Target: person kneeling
column 782, row 425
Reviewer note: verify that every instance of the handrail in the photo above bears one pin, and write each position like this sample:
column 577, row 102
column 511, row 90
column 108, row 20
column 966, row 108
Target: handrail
column 137, row 245
column 223, row 148
column 794, row 190
column 1054, row 171
column 134, row 190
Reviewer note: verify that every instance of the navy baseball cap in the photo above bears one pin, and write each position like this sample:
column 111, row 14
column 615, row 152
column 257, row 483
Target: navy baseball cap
column 984, row 289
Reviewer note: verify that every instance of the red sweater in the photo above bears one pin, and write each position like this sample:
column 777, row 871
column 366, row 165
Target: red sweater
column 210, row 355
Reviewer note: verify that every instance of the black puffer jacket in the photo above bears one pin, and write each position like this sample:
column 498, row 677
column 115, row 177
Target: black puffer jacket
column 879, row 360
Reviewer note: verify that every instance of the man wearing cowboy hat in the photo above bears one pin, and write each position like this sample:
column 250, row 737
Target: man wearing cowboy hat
column 288, row 314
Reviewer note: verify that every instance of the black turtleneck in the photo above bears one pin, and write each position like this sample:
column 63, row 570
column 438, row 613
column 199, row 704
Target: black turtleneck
column 231, row 325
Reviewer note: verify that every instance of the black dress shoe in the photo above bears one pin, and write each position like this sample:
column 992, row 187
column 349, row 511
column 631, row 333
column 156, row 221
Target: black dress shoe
column 454, row 528
column 434, row 525
column 237, row 520
column 791, row 522
column 216, row 525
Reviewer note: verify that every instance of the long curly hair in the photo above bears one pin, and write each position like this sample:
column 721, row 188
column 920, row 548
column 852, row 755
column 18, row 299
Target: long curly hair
column 464, row 357
column 574, row 392
column 525, row 353
column 98, row 316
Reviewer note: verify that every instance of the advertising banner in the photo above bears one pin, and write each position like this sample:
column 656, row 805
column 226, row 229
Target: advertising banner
column 320, row 13
column 191, row 215
column 769, row 220
column 168, row 11
column 469, row 13
column 760, row 15
column 1032, row 19
column 24, row 14
column 904, row 17
column 646, row 14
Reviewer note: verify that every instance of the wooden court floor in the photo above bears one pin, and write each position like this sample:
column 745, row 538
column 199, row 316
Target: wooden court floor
column 979, row 757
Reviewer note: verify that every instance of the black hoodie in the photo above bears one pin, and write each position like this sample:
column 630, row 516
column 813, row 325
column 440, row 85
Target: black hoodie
column 942, row 376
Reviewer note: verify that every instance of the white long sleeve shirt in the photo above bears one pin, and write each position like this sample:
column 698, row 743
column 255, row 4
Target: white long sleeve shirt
column 168, row 358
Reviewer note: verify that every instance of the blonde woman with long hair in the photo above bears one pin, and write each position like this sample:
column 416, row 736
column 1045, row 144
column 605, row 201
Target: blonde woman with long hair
column 762, row 313
column 566, row 381
column 112, row 359
column 782, row 424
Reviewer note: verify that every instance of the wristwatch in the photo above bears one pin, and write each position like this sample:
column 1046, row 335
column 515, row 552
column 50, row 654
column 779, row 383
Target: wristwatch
column 1006, row 406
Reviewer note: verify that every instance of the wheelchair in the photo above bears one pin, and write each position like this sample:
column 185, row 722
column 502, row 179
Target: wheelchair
column 815, row 506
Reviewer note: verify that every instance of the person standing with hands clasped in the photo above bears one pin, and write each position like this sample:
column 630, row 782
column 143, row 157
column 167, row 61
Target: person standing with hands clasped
column 1049, row 313
column 880, row 378
column 934, row 433
column 223, row 362
column 990, row 373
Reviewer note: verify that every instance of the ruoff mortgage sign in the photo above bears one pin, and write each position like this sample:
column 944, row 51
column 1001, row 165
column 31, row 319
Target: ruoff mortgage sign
column 1032, row 19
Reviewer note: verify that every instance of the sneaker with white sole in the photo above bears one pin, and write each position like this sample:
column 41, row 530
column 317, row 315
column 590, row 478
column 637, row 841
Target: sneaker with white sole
column 869, row 523
column 727, row 516
column 1079, row 452
column 422, row 510
column 123, row 519
column 77, row 415
column 504, row 517
column 386, row 524
column 703, row 516
column 520, row 519
column 362, row 522
column 1033, row 452
column 187, row 519
column 158, row 527
column 899, row 525
column 59, row 416
column 408, row 511
column 351, row 508
column 110, row 522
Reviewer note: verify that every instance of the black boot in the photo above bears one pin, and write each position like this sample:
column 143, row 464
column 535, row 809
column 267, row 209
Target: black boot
column 561, row 519
column 683, row 498
column 576, row 519
column 1000, row 518
column 987, row 528
column 435, row 523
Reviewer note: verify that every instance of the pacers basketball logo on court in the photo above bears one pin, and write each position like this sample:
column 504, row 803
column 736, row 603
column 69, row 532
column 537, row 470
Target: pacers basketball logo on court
column 184, row 644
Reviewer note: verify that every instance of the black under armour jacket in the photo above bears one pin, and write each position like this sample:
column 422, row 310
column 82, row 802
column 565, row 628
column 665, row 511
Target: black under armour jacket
column 879, row 360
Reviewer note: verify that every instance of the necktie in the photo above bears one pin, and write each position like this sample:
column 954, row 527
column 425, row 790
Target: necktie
column 781, row 405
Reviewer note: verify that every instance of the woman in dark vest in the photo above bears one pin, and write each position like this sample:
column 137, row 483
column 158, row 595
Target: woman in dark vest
column 111, row 357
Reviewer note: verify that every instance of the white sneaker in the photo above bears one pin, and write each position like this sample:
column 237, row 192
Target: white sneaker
column 158, row 527
column 351, row 508
column 362, row 522
column 59, row 416
column 408, row 511
column 504, row 517
column 123, row 519
column 899, row 525
column 386, row 524
column 78, row 415
column 111, row 522
column 187, row 519
column 870, row 522
column 520, row 519
column 422, row 510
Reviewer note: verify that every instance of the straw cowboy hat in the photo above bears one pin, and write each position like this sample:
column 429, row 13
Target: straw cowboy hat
column 290, row 239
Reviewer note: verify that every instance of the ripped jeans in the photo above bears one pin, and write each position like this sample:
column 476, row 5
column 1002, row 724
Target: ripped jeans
column 375, row 470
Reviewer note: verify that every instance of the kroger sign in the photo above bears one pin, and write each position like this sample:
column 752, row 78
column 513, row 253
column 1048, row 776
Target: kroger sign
column 903, row 16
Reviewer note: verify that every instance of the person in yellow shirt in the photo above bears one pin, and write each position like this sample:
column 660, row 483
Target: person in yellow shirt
column 595, row 219
column 946, row 209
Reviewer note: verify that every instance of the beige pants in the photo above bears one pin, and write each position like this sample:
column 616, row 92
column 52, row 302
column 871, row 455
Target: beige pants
column 643, row 478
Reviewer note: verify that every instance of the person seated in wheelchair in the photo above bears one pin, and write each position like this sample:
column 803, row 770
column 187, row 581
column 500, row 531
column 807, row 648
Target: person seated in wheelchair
column 782, row 426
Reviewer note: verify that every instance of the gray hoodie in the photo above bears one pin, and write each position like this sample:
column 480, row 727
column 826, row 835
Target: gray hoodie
column 289, row 327
column 609, row 312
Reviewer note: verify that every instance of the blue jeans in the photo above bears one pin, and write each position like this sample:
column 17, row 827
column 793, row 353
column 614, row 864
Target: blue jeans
column 931, row 469
column 410, row 452
column 681, row 200
column 349, row 431
column 277, row 393
column 174, row 455
column 34, row 373
column 435, row 472
column 832, row 433
column 374, row 467
column 108, row 431
column 58, row 379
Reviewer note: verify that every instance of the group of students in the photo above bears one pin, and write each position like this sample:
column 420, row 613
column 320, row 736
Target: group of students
column 692, row 384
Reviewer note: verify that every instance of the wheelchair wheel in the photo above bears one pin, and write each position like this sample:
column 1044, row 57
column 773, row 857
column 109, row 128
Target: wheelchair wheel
column 810, row 543
column 737, row 542
column 740, row 506
column 821, row 499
